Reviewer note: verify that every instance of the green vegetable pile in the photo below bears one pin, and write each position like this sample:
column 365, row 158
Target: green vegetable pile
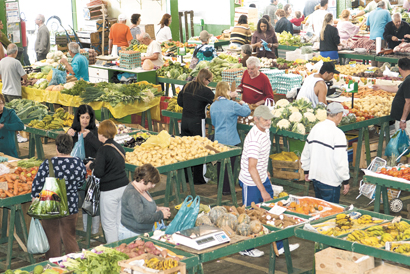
column 105, row 262
column 78, row 88
column 29, row 163
column 174, row 70
column 287, row 39
column 216, row 66
column 27, row 109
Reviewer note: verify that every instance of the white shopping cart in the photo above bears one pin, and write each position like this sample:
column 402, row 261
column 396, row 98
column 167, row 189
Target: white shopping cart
column 369, row 190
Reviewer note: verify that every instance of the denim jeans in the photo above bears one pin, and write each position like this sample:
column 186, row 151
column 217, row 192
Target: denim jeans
column 124, row 233
column 326, row 192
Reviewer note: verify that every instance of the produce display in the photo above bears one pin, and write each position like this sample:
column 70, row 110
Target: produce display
column 58, row 120
column 402, row 171
column 77, row 88
column 53, row 58
column 155, row 263
column 139, row 247
column 371, row 106
column 173, row 105
column 351, row 70
column 29, row 163
column 19, row 182
column 365, row 91
column 27, row 109
column 137, row 46
column 287, row 39
column 39, row 270
column 320, row 58
column 174, row 70
column 173, row 150
column 216, row 66
column 137, row 139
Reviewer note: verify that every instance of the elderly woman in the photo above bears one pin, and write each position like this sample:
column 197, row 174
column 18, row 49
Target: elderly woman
column 255, row 86
column 73, row 171
column 138, row 210
column 9, row 124
column 266, row 33
column 246, row 51
column 283, row 23
column 120, row 34
column 79, row 64
column 109, row 166
column 329, row 38
column 346, row 28
column 241, row 34
column 205, row 51
column 154, row 52
column 164, row 34
column 136, row 31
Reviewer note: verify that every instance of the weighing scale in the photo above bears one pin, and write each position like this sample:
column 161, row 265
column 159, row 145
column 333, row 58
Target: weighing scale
column 201, row 237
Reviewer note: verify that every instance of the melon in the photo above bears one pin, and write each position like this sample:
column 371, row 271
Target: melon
column 216, row 212
column 256, row 226
column 243, row 229
column 203, row 220
column 244, row 218
column 228, row 220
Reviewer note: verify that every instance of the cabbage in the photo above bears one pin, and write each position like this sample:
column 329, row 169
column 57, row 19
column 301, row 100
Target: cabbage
column 50, row 55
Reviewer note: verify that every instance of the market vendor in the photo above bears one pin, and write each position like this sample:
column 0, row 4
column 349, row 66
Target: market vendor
column 254, row 177
column 377, row 20
column 79, row 64
column 154, row 52
column 329, row 39
column 324, row 158
column 346, row 28
column 120, row 34
column 314, row 87
column 139, row 211
column 283, row 23
column 73, row 171
column 241, row 34
column 9, row 124
column 265, row 32
column 395, row 30
column 255, row 86
column 371, row 7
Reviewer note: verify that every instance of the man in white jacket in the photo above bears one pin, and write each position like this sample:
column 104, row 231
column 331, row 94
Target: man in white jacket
column 324, row 158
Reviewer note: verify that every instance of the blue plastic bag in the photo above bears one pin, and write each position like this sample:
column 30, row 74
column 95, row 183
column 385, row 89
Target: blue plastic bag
column 37, row 242
column 399, row 142
column 59, row 77
column 186, row 216
column 78, row 150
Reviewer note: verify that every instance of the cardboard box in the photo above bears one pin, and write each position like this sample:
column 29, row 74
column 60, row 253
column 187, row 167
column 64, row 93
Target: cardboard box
column 388, row 268
column 150, row 29
column 336, row 261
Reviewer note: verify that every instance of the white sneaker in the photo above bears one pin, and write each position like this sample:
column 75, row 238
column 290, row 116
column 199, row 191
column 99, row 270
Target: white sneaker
column 252, row 253
column 291, row 248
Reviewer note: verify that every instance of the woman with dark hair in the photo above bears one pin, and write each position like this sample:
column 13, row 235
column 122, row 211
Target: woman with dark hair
column 136, row 32
column 241, row 34
column 164, row 34
column 283, row 23
column 84, row 123
column 73, row 171
column 139, row 211
column 265, row 32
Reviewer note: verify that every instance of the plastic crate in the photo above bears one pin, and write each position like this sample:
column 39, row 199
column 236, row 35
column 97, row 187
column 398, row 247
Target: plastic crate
column 129, row 66
column 164, row 105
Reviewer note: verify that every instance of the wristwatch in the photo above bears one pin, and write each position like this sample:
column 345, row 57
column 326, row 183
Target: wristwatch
column 402, row 121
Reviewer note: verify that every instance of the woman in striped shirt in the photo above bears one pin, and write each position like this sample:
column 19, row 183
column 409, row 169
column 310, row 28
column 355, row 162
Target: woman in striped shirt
column 241, row 33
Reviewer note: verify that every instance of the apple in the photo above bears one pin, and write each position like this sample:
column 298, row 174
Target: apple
column 23, row 174
column 28, row 175
column 34, row 172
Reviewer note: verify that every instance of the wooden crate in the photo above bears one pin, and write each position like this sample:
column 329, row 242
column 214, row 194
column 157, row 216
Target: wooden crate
column 388, row 268
column 336, row 261
column 373, row 143
column 287, row 170
column 126, row 265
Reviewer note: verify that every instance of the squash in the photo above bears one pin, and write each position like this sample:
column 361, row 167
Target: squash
column 148, row 65
column 50, row 75
column 50, row 88
column 203, row 220
column 58, row 88
column 227, row 219
column 243, row 229
column 244, row 218
column 216, row 212
column 256, row 226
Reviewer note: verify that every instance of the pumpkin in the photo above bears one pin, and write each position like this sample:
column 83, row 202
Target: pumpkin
column 50, row 88
column 227, row 219
column 58, row 88
column 147, row 65
column 244, row 218
column 256, row 226
column 243, row 229
column 216, row 212
column 203, row 220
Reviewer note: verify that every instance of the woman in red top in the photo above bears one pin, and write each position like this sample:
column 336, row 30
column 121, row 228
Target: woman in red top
column 255, row 86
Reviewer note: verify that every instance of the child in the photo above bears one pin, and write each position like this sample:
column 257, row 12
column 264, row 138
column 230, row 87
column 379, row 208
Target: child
column 298, row 20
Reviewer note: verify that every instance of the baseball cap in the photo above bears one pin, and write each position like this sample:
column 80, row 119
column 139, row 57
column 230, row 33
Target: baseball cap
column 122, row 17
column 204, row 36
column 328, row 67
column 264, row 112
column 335, row 108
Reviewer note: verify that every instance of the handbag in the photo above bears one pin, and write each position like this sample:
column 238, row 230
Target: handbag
column 195, row 60
column 37, row 242
column 92, row 196
column 186, row 216
column 119, row 151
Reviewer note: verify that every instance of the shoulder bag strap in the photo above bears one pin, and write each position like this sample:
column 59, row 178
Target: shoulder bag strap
column 196, row 51
column 119, row 151
column 50, row 169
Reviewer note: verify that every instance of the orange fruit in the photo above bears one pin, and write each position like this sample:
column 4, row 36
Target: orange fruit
column 312, row 210
column 320, row 208
column 280, row 203
column 292, row 205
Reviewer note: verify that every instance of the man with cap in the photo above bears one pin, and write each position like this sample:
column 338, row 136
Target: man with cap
column 254, row 176
column 324, row 157
column 204, row 51
column 120, row 34
column 314, row 87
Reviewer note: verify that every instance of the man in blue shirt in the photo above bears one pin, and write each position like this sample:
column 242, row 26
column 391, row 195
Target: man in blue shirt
column 79, row 64
column 377, row 20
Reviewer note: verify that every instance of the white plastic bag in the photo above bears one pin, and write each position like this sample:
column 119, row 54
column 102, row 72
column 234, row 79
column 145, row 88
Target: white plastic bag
column 37, row 242
column 270, row 103
column 4, row 169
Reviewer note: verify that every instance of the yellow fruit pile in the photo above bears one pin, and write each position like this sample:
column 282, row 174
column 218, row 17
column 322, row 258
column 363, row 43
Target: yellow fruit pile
column 59, row 119
column 173, row 105
column 349, row 70
column 318, row 58
column 155, row 263
column 140, row 48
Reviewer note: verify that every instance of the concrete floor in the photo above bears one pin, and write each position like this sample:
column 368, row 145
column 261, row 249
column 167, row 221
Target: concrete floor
column 302, row 258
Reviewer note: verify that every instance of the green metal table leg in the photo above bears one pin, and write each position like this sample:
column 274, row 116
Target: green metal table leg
column 272, row 260
column 171, row 126
column 386, row 205
column 149, row 119
column 168, row 189
column 174, row 91
column 200, row 269
column 366, row 145
column 31, row 146
column 182, row 179
column 358, row 152
column 11, row 236
column 50, row 107
column 177, row 187
column 383, row 130
column 277, row 145
column 377, row 199
column 287, row 255
column 221, row 182
column 237, row 169
column 88, row 231
column 24, row 232
column 105, row 114
column 143, row 119
column 191, row 182
column 4, row 223
column 231, row 181
column 166, row 89
column 39, row 147
column 285, row 143
column 17, row 144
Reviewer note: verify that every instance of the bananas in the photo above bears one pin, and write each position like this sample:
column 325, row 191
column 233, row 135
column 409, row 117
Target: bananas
column 173, row 105
column 59, row 119
column 365, row 219
column 202, row 207
column 357, row 235
column 343, row 221
column 155, row 263
column 401, row 248
column 140, row 48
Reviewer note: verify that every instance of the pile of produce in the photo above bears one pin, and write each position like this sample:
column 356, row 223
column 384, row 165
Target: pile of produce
column 19, row 182
column 39, row 269
column 99, row 260
column 174, row 70
column 137, row 139
column 155, row 263
column 370, row 106
column 53, row 58
column 216, row 66
column 77, row 88
column 59, row 120
column 267, row 62
column 173, row 105
column 229, row 58
column 287, row 39
column 27, row 109
column 321, row 58
column 29, row 163
column 178, row 149
column 136, row 46
column 351, row 70
column 375, row 74
column 402, row 171
column 139, row 247
column 365, row 91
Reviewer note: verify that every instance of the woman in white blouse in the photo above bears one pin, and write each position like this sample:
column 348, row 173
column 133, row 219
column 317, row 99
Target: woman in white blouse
column 164, row 33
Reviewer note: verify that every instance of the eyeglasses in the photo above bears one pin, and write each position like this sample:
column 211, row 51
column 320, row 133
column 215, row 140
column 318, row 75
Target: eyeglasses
column 208, row 80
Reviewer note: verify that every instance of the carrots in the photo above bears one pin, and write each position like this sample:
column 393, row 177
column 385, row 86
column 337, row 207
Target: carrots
column 9, row 194
column 16, row 187
column 17, row 182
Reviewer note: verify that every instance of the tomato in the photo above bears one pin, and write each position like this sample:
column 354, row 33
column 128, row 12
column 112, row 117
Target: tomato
column 405, row 170
column 394, row 169
column 383, row 171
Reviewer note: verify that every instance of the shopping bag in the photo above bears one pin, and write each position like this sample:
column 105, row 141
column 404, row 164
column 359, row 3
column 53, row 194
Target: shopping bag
column 59, row 77
column 186, row 216
column 399, row 142
column 159, row 225
column 52, row 201
column 37, row 242
column 92, row 196
column 78, row 150
column 270, row 103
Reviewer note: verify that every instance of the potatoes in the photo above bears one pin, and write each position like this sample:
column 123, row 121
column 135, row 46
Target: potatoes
column 348, row 70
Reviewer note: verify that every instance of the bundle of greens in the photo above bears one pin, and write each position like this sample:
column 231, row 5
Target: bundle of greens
column 27, row 109
column 29, row 163
column 78, row 88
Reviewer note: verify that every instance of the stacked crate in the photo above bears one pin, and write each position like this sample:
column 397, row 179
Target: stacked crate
column 230, row 75
column 130, row 59
column 273, row 76
column 82, row 52
column 288, row 81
